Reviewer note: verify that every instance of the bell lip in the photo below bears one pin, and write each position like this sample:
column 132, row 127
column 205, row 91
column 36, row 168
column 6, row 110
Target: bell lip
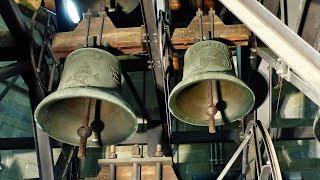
column 201, row 77
column 93, row 93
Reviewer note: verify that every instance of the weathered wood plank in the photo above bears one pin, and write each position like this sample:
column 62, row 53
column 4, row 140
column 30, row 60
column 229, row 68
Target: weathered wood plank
column 131, row 40
column 147, row 172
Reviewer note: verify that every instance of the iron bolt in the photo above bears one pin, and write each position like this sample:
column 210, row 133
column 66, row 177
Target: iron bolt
column 136, row 151
column 112, row 152
column 158, row 152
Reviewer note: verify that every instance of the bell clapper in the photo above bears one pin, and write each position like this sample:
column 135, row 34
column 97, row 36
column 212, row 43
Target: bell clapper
column 84, row 131
column 211, row 109
column 97, row 125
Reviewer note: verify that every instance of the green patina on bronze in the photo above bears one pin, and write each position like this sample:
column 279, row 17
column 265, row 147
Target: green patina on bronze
column 88, row 73
column 204, row 62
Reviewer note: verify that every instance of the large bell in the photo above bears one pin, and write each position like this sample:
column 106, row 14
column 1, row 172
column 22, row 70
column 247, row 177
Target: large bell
column 209, row 81
column 94, row 74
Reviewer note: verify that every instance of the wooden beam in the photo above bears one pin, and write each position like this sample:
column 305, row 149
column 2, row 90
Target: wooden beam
column 33, row 5
column 147, row 172
column 132, row 40
column 183, row 38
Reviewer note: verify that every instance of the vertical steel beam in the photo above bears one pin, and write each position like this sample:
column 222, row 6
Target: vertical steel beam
column 151, row 24
column 295, row 10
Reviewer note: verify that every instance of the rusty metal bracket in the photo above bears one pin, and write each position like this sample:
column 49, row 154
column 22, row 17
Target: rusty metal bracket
column 87, row 17
column 200, row 28
column 102, row 15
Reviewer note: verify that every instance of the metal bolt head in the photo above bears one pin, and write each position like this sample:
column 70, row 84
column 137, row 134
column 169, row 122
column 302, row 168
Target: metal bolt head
column 254, row 50
column 159, row 147
column 158, row 152
column 112, row 152
column 199, row 12
column 84, row 132
column 136, row 153
column 112, row 149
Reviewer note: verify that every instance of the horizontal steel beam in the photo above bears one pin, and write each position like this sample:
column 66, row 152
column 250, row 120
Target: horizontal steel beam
column 22, row 143
column 187, row 137
column 28, row 142
column 14, row 69
column 303, row 59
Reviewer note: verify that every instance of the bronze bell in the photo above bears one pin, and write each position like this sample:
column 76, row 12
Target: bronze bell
column 93, row 74
column 209, row 90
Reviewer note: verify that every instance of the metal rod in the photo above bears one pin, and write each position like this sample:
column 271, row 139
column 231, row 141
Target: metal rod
column 272, row 156
column 84, row 131
column 87, row 16
column 220, row 153
column 62, row 164
column 244, row 162
column 136, row 170
column 158, row 171
column 112, row 172
column 102, row 15
column 112, row 155
column 86, row 115
column 216, row 159
column 200, row 14
column 41, row 56
column 239, row 61
column 211, row 14
column 211, row 109
column 51, row 78
column 270, row 97
column 257, row 145
column 211, row 157
column 234, row 157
